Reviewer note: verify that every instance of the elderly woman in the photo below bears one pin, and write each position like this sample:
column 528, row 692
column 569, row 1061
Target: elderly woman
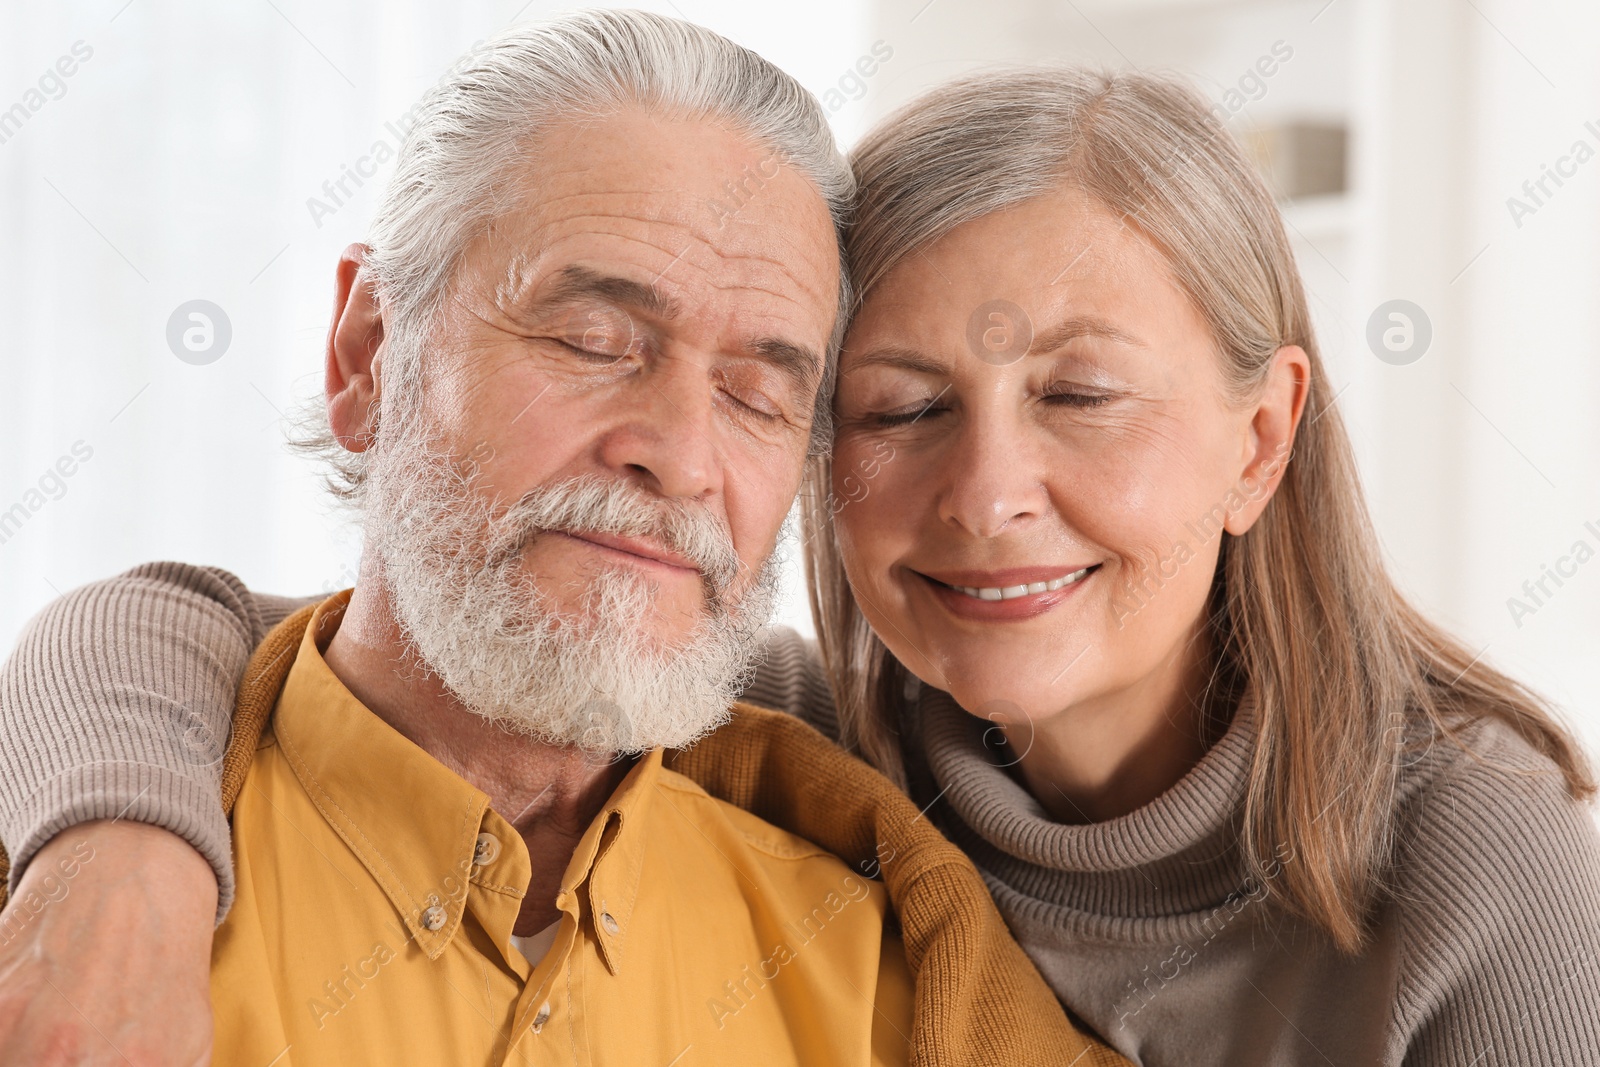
column 1095, row 584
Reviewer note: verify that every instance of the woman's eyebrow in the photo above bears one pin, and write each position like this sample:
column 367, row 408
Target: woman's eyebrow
column 1082, row 326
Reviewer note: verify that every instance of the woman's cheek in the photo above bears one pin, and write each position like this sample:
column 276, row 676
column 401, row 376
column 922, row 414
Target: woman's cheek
column 859, row 526
column 1137, row 495
column 873, row 521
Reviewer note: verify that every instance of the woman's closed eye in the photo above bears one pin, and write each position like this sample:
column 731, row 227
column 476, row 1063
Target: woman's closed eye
column 906, row 416
column 1061, row 396
column 1069, row 397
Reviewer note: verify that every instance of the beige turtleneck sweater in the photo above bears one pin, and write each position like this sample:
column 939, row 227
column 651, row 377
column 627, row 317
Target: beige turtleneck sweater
column 1485, row 949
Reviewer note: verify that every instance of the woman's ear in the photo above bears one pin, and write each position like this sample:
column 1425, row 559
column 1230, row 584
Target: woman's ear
column 355, row 352
column 1270, row 436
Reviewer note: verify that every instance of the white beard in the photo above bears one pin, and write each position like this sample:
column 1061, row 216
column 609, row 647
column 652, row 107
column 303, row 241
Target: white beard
column 593, row 678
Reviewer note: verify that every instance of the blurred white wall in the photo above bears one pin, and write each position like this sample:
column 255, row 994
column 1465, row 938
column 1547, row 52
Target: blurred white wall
column 177, row 160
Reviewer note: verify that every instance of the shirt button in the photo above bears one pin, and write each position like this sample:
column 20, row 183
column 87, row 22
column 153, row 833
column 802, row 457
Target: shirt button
column 609, row 923
column 433, row 918
column 486, row 851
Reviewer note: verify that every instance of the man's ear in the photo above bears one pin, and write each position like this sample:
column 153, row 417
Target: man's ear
column 1270, row 436
column 355, row 352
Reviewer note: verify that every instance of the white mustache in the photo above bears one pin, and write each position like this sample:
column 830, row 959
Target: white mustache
column 591, row 504
column 595, row 676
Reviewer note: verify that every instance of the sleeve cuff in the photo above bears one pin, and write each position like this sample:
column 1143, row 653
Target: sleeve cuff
column 138, row 792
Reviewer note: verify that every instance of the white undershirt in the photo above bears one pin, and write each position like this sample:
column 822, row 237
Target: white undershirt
column 536, row 945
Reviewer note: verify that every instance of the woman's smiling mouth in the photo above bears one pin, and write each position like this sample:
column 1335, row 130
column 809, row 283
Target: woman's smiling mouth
column 1017, row 593
column 1012, row 592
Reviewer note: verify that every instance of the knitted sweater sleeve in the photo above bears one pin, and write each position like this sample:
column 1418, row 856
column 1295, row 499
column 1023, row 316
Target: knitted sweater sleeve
column 116, row 703
column 1500, row 947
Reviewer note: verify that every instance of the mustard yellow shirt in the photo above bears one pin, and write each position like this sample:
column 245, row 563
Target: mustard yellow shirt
column 378, row 890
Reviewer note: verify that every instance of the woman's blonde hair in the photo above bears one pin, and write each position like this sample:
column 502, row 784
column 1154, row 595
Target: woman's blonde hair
column 1346, row 676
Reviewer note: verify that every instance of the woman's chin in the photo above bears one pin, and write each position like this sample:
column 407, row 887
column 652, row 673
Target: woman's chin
column 1029, row 673
column 999, row 699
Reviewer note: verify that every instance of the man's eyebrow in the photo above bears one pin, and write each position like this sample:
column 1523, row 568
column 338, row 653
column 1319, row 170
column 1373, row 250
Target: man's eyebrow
column 802, row 365
column 575, row 283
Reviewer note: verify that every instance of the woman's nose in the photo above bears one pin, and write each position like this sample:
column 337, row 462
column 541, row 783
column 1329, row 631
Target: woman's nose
column 991, row 484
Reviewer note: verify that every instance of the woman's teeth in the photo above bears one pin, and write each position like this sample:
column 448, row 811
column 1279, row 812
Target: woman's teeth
column 1011, row 592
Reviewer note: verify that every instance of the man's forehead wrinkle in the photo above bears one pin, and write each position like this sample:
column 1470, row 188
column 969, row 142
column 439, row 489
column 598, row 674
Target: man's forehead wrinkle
column 767, row 275
column 786, row 272
column 743, row 267
column 784, row 294
column 764, row 331
column 741, row 259
column 637, row 230
column 667, row 194
column 694, row 216
column 654, row 205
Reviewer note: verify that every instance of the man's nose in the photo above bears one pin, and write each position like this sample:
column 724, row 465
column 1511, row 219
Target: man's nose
column 663, row 437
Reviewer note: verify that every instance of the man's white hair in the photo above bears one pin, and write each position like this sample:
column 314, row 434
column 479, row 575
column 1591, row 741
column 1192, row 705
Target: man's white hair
column 458, row 166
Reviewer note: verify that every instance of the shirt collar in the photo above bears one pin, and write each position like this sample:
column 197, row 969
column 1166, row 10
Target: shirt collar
column 414, row 823
column 610, row 856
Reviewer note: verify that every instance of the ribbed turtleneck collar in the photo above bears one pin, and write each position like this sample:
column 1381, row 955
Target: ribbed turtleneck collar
column 1175, row 854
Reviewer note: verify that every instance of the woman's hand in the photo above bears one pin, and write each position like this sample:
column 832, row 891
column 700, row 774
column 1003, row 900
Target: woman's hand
column 105, row 952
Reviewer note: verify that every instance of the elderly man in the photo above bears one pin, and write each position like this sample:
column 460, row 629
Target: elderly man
column 572, row 391
column 580, row 399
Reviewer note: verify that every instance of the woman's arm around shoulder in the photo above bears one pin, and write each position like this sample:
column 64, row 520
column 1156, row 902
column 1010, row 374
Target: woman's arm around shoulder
column 116, row 704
